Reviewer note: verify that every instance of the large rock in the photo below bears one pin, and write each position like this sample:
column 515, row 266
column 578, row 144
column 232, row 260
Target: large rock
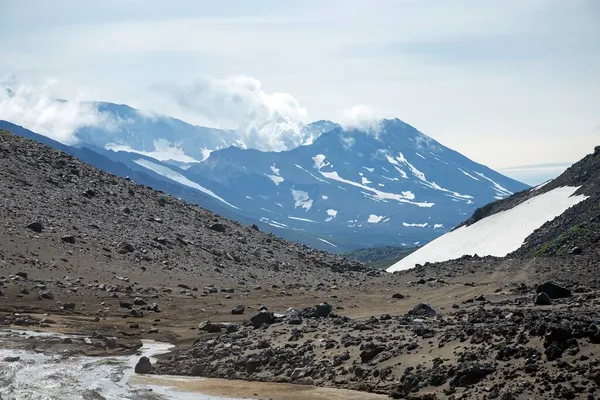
column 36, row 226
column 68, row 239
column 218, row 228
column 542, row 299
column 553, row 290
column 422, row 310
column 263, row 317
column 238, row 310
column 323, row 310
column 211, row 327
column 143, row 366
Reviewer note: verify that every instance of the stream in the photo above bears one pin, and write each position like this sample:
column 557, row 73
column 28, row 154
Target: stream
column 42, row 376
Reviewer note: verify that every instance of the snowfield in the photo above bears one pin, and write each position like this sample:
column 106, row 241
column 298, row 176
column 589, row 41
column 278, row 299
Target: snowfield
column 498, row 234
column 177, row 177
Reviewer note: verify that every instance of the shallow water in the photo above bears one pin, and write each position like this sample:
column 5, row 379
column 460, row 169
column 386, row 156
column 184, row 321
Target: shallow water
column 56, row 377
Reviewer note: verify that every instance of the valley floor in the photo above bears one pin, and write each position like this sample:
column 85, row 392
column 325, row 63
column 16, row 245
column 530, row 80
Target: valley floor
column 486, row 340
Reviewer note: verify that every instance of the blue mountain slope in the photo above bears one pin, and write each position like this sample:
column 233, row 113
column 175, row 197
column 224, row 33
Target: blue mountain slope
column 344, row 189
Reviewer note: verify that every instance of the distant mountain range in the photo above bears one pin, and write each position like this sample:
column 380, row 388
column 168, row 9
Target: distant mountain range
column 342, row 189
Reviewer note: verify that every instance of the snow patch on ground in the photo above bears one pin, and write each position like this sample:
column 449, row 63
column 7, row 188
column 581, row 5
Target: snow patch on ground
column 324, row 197
column 325, row 241
column 303, row 219
column 274, row 223
column 163, row 151
column 331, row 214
column 498, row 234
column 365, row 181
column 438, row 226
column 374, row 219
column 314, row 176
column 469, row 175
column 301, row 199
column 502, row 191
column 276, row 179
column 177, row 177
column 413, row 225
column 369, row 169
column 405, row 197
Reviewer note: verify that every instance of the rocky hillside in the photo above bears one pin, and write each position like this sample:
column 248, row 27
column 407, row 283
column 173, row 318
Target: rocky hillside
column 57, row 211
column 574, row 231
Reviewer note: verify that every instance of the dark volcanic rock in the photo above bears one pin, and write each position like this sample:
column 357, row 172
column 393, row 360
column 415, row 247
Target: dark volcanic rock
column 238, row 310
column 143, row 366
column 470, row 373
column 218, row 228
column 263, row 317
column 422, row 310
column 542, row 299
column 36, row 226
column 553, row 290
column 68, row 239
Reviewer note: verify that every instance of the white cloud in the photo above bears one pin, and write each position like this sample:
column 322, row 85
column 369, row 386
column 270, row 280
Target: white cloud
column 361, row 117
column 35, row 108
column 265, row 121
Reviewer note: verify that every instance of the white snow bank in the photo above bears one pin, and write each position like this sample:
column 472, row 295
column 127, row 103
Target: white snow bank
column 301, row 199
column 177, row 177
column 331, row 214
column 276, row 179
column 374, row 219
column 496, row 235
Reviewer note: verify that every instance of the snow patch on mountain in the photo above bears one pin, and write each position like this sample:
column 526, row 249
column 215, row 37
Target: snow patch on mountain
column 163, row 151
column 496, row 235
column 374, row 219
column 326, row 241
column 276, row 179
column 177, row 177
column 331, row 214
column 301, row 199
column 302, row 219
column 415, row 225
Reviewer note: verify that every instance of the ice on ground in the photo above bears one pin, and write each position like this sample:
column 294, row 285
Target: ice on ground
column 421, row 156
column 469, row 175
column 275, row 169
column 369, row 169
column 325, row 241
column 163, row 151
column 404, row 197
column 303, row 219
column 331, row 214
column 414, row 225
column 276, row 179
column 496, row 235
column 324, row 197
column 374, row 219
column 438, row 226
column 502, row 191
column 311, row 174
column 273, row 223
column 177, row 177
column 365, row 181
column 301, row 199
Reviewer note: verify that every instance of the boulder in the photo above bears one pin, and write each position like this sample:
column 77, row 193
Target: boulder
column 263, row 317
column 36, row 226
column 22, row 275
column 542, row 299
column 397, row 296
column 553, row 290
column 68, row 239
column 422, row 310
column 323, row 310
column 138, row 301
column 143, row 366
column 218, row 228
column 69, row 306
column 210, row 327
column 238, row 310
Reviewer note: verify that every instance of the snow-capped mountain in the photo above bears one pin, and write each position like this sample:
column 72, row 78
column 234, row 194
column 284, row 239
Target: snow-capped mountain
column 553, row 218
column 345, row 188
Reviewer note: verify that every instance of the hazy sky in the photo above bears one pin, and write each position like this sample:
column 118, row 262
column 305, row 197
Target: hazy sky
column 505, row 82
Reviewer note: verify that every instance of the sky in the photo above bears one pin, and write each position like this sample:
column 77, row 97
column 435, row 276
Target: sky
column 508, row 83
